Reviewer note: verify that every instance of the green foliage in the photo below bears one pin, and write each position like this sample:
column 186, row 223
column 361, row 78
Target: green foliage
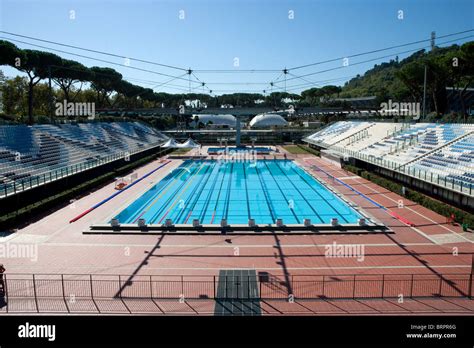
column 310, row 150
column 403, row 81
column 8, row 53
column 397, row 80
column 317, row 96
column 295, row 149
column 68, row 73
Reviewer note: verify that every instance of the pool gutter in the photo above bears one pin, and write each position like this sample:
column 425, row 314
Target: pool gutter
column 238, row 229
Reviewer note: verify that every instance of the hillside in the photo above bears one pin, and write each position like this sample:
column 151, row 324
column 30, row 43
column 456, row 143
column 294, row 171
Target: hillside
column 403, row 80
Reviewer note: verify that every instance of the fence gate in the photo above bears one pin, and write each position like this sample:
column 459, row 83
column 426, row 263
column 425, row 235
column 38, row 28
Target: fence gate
column 237, row 293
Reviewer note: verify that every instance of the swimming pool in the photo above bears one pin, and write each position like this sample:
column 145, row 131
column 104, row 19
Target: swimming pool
column 264, row 190
column 257, row 149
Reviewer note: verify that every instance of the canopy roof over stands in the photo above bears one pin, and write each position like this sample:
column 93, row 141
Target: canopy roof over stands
column 190, row 143
column 171, row 143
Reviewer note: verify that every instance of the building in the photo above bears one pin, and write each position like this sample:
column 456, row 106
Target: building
column 268, row 120
column 214, row 121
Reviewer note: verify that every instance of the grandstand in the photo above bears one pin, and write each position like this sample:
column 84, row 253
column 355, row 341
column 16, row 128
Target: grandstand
column 33, row 155
column 442, row 154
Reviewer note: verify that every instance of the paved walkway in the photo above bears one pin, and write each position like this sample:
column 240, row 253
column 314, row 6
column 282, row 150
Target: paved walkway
column 429, row 247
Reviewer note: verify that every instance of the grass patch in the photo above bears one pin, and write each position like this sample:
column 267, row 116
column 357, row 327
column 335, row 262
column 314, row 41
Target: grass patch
column 295, row 149
column 301, row 149
column 441, row 208
column 310, row 150
column 180, row 151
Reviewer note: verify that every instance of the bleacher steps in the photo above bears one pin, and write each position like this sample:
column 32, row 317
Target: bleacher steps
column 438, row 148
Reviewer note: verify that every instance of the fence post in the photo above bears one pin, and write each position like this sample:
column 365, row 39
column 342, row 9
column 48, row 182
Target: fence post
column 92, row 288
column 225, row 289
column 411, row 286
column 440, row 285
column 324, row 282
column 34, row 291
column 151, row 288
column 182, row 286
column 383, row 285
column 248, row 286
column 5, row 290
column 120, row 286
column 470, row 277
column 214, row 282
column 64, row 293
column 237, row 282
column 470, row 286
column 354, row 287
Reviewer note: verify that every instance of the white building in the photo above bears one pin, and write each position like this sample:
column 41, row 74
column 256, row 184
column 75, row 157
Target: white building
column 267, row 121
column 214, row 121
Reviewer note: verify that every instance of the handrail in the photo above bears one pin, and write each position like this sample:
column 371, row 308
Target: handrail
column 335, row 286
column 58, row 173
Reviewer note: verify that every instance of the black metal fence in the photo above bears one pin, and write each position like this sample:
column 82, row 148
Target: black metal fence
column 261, row 287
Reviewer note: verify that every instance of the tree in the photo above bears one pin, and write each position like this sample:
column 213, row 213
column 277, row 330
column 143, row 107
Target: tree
column 316, row 96
column 128, row 94
column 9, row 53
column 36, row 65
column 460, row 66
column 68, row 73
column 412, row 75
column 105, row 81
column 15, row 97
column 312, row 95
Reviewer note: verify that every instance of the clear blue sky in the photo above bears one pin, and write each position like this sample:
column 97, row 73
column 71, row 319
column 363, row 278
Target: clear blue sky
column 214, row 32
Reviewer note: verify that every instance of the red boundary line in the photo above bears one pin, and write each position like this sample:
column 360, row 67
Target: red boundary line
column 116, row 194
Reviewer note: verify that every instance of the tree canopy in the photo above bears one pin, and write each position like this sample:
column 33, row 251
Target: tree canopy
column 399, row 80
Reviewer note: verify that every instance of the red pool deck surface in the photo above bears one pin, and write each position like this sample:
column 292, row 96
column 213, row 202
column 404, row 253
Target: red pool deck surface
column 430, row 247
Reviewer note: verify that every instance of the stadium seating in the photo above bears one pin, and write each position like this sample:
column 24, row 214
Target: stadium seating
column 32, row 152
column 338, row 131
column 441, row 153
column 455, row 161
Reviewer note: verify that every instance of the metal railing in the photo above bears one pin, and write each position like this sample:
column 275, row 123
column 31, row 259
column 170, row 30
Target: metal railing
column 70, row 288
column 20, row 185
column 411, row 170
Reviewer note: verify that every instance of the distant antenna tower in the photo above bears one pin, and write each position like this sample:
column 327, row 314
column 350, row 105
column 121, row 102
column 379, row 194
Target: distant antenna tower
column 181, row 123
column 433, row 38
column 181, row 119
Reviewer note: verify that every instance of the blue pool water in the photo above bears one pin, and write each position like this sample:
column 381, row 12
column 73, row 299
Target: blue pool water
column 263, row 190
column 257, row 149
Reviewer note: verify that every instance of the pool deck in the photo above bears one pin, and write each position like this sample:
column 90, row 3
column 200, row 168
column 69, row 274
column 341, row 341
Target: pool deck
column 430, row 246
